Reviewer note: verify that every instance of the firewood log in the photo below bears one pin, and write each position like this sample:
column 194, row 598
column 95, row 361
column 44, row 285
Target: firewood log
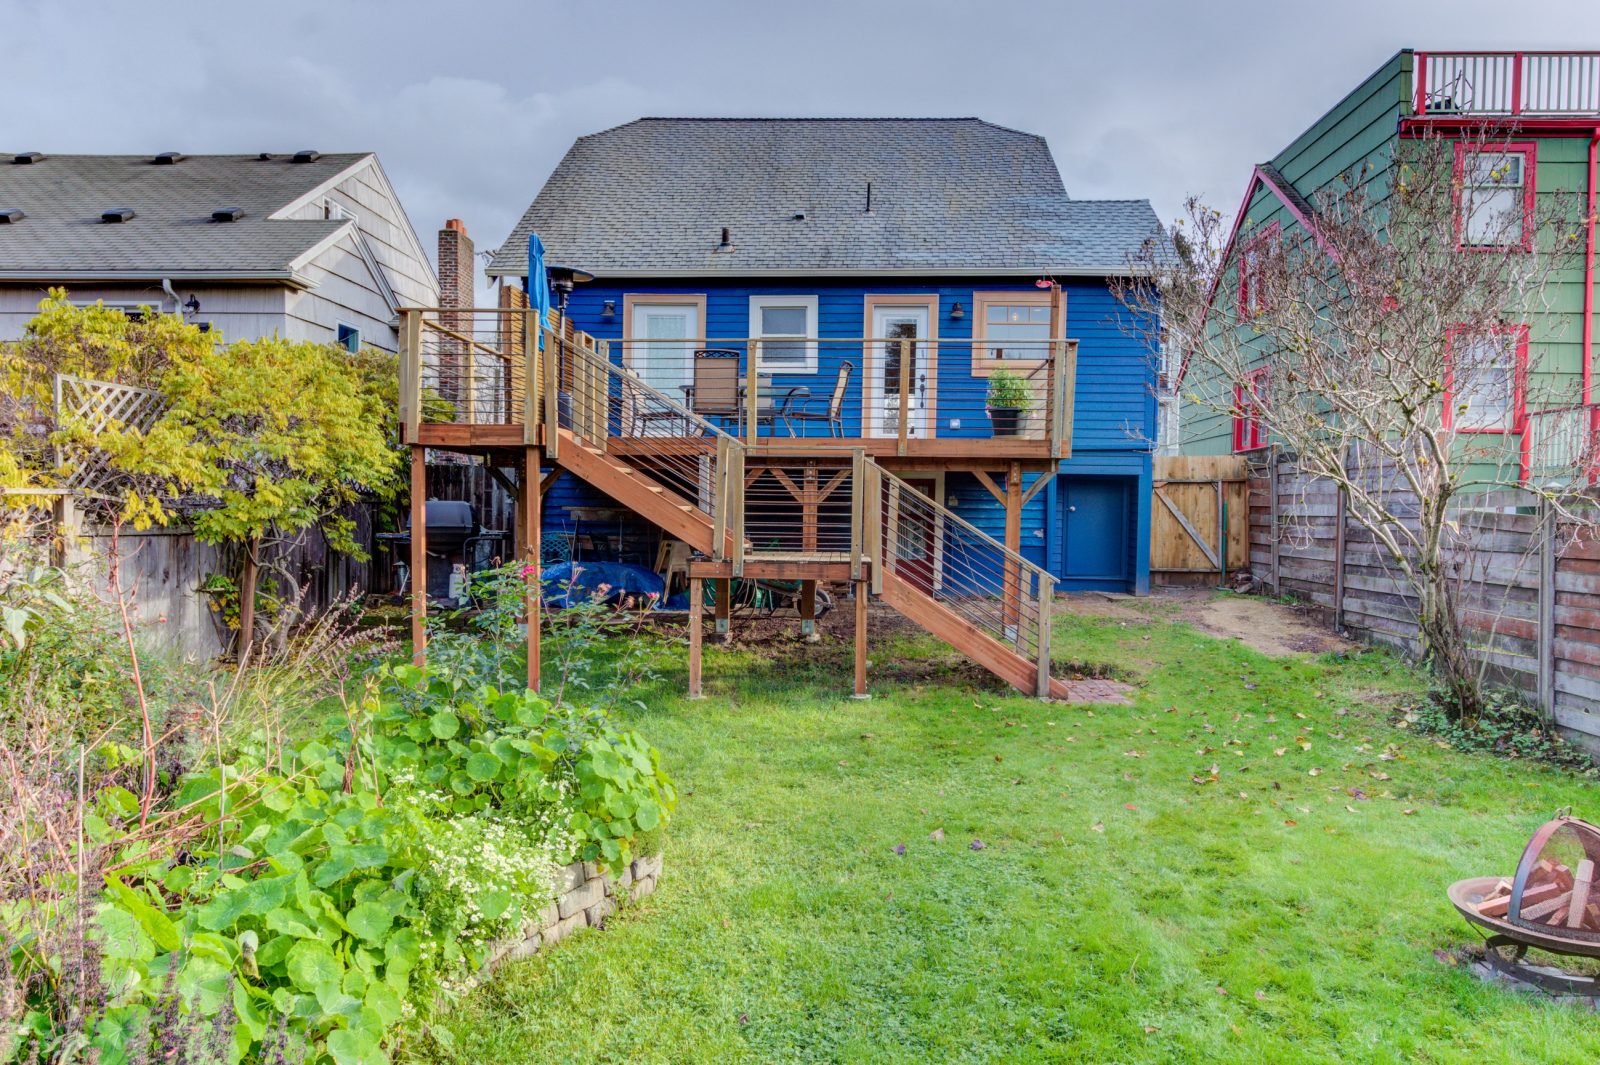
column 1580, row 893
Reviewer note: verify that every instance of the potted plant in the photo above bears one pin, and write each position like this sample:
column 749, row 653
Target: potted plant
column 1009, row 398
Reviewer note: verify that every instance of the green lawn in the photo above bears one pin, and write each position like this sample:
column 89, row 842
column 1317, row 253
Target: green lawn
column 1123, row 905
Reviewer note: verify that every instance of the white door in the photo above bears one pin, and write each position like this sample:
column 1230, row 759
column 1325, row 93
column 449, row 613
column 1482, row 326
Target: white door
column 896, row 330
column 662, row 351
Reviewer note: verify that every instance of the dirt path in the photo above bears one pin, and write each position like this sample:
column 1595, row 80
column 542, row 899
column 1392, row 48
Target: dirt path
column 1267, row 626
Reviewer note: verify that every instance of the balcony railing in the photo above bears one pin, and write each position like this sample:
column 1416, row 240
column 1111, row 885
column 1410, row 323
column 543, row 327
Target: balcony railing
column 1562, row 445
column 468, row 368
column 1543, row 84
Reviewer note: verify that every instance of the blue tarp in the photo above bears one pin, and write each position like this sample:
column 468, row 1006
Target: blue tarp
column 570, row 583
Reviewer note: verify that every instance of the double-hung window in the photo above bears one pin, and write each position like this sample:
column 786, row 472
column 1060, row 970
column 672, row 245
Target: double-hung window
column 1494, row 207
column 785, row 327
column 1249, row 425
column 1254, row 262
column 1483, row 385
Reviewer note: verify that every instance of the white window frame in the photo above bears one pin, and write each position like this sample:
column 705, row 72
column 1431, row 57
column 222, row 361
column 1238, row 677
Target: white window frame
column 338, row 325
column 129, row 308
column 808, row 365
column 333, row 210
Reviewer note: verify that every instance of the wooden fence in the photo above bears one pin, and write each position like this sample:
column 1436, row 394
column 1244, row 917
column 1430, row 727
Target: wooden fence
column 1530, row 587
column 1189, row 539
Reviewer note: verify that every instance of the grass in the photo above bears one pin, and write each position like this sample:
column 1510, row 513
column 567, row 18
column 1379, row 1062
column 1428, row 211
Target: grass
column 1123, row 907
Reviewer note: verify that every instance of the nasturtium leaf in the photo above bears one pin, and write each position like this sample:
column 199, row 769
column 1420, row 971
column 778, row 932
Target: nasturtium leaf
column 461, row 783
column 120, row 936
column 348, row 1047
column 291, row 923
column 311, row 964
column 648, row 815
column 370, row 921
column 483, row 766
column 402, row 951
column 156, row 924
column 444, row 724
column 382, row 1000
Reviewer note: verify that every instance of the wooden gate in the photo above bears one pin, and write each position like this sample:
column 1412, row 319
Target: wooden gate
column 1200, row 517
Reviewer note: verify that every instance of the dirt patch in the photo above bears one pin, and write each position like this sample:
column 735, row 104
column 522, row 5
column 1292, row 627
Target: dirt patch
column 1116, row 607
column 1264, row 625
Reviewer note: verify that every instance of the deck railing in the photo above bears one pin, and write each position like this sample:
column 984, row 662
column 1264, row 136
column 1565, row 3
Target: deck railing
column 463, row 366
column 1507, row 83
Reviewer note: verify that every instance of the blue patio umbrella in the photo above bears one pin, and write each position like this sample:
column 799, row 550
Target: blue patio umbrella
column 538, row 284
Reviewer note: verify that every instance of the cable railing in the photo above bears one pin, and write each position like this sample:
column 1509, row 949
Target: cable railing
column 992, row 589
column 464, row 366
column 1507, row 83
column 901, row 389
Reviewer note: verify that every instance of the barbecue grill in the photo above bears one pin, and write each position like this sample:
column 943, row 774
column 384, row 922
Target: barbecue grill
column 1550, row 904
column 454, row 539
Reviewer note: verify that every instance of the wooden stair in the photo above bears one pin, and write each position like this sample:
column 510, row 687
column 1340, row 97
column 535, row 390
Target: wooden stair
column 633, row 488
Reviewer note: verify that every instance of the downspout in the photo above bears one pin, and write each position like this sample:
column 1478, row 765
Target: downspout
column 1588, row 291
column 177, row 305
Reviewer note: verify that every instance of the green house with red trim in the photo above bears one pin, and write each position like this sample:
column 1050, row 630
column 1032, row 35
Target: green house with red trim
column 1548, row 105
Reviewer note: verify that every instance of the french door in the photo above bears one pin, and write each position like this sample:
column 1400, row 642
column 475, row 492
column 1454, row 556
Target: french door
column 662, row 345
column 898, row 332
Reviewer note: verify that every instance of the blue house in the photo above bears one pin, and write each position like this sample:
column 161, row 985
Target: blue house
column 922, row 290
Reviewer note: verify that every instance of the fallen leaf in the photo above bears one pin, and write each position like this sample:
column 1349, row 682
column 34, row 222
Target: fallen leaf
column 1279, row 751
column 1356, row 794
column 1129, row 806
column 899, row 848
column 1350, row 808
column 1291, row 822
column 1099, row 826
column 1261, row 996
column 1378, row 775
column 937, row 835
column 1221, row 990
column 1314, row 771
column 1132, row 754
column 977, row 844
column 868, row 736
column 1408, row 813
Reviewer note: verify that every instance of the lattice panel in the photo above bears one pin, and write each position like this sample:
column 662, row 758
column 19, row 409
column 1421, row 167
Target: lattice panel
column 96, row 406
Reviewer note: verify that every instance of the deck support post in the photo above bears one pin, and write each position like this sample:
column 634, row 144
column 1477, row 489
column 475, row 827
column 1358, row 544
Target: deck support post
column 859, row 590
column 419, row 555
column 808, row 611
column 529, row 518
column 724, row 608
column 1012, row 608
column 696, row 620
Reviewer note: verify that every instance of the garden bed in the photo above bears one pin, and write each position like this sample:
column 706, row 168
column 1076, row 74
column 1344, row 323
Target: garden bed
column 585, row 896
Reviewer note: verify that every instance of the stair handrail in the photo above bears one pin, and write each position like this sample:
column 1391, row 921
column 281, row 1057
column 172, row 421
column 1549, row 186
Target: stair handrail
column 880, row 544
column 576, row 347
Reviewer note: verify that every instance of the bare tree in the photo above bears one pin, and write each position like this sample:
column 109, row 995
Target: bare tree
column 1392, row 336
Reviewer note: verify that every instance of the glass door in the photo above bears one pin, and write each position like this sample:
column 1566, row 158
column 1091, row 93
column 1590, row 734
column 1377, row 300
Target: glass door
column 662, row 351
column 898, row 333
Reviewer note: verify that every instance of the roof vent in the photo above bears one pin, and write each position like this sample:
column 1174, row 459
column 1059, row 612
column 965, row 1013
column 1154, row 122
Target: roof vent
column 798, row 216
column 167, row 158
column 116, row 215
column 10, row 215
column 727, row 240
column 307, row 156
column 227, row 214
column 24, row 158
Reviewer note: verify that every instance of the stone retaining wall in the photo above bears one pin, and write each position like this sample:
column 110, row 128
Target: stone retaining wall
column 585, row 897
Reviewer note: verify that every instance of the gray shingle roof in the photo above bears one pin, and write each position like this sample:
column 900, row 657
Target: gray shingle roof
column 948, row 195
column 171, row 233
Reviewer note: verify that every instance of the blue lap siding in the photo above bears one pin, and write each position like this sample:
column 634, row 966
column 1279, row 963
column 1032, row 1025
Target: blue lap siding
column 1113, row 420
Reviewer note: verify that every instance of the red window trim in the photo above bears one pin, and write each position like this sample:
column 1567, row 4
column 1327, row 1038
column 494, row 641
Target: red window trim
column 1248, row 432
column 1270, row 233
column 1529, row 150
column 1519, row 380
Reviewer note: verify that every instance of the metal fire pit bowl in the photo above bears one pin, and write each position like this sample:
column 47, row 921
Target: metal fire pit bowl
column 1552, row 904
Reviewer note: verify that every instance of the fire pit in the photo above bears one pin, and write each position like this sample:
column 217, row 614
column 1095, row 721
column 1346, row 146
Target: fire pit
column 1550, row 904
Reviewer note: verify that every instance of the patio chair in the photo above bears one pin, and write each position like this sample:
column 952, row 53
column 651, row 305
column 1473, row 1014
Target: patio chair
column 715, row 392
column 834, row 413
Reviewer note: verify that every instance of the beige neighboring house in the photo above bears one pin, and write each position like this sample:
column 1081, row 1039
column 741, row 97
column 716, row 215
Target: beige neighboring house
column 306, row 245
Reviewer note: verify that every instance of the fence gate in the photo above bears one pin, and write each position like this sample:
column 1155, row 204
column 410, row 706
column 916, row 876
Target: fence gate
column 1199, row 517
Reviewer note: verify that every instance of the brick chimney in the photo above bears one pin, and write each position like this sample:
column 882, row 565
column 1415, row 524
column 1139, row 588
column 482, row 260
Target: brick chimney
column 457, row 266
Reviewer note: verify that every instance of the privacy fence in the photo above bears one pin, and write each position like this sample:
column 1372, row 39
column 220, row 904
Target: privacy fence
column 1529, row 584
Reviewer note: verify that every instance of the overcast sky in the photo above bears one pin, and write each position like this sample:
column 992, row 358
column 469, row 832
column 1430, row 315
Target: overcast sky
column 470, row 104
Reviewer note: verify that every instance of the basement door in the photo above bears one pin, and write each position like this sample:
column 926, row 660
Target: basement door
column 1094, row 524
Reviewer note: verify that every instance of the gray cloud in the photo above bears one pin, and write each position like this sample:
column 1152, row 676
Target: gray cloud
column 471, row 105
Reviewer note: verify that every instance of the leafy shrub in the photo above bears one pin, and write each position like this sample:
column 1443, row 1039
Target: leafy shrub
column 330, row 892
column 1507, row 727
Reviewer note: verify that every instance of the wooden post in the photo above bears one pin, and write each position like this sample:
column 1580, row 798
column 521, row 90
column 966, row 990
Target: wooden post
column 696, row 637
column 1272, row 516
column 411, row 372
column 1340, row 516
column 553, row 374
column 1012, row 591
column 860, row 591
column 905, row 395
column 1047, row 596
column 858, row 477
column 752, row 381
column 528, row 521
column 723, row 590
column 419, row 555
column 64, row 549
column 872, row 525
column 532, row 376
column 808, row 509
column 470, row 377
column 808, row 610
column 1547, row 609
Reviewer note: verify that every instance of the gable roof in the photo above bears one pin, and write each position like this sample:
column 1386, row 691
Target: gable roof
column 171, row 233
column 948, row 195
